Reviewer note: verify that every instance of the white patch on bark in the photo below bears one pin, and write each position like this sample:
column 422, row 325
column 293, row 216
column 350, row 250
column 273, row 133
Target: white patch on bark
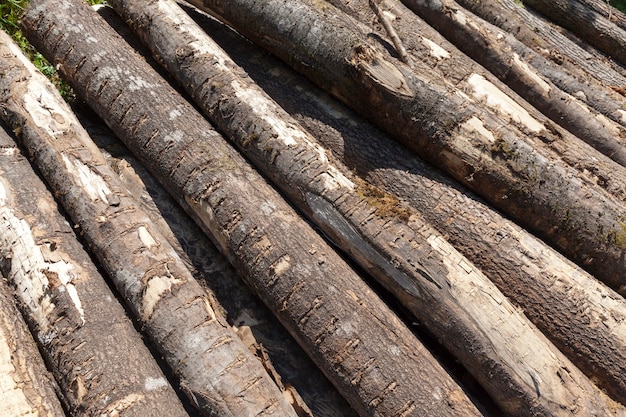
column 29, row 267
column 174, row 114
column 137, row 83
column 155, row 289
column 14, row 401
column 145, row 237
column 435, row 50
column 623, row 115
column 474, row 124
column 152, row 384
column 502, row 103
column 282, row 265
column 460, row 17
column 514, row 339
column 95, row 186
column 42, row 105
column 533, row 75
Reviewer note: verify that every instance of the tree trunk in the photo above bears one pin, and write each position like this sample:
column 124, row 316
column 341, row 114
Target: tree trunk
column 562, row 53
column 370, row 226
column 607, row 11
column 522, row 165
column 26, row 386
column 215, row 368
column 98, row 360
column 321, row 301
column 585, row 23
column 508, row 59
column 581, row 316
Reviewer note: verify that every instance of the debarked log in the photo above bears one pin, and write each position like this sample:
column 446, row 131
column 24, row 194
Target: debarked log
column 98, row 359
column 555, row 185
column 216, row 370
column 584, row 318
column 397, row 247
column 26, row 387
column 364, row 349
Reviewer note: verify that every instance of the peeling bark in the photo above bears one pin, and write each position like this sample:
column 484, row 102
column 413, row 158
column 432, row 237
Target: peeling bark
column 97, row 358
column 215, row 369
column 524, row 166
column 585, row 320
column 586, row 23
column 441, row 288
column 363, row 348
column 26, row 387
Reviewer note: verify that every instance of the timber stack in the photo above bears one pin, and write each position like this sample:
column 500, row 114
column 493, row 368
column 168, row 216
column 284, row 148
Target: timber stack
column 315, row 208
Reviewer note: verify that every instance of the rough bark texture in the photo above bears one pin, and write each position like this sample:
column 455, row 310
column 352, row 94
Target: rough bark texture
column 582, row 317
column 215, row 368
column 370, row 356
column 26, row 387
column 586, row 23
column 603, row 8
column 392, row 243
column 96, row 356
column 522, row 165
column 508, row 59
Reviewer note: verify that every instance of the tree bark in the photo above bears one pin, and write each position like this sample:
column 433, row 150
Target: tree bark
column 585, row 23
column 216, row 370
column 602, row 125
column 607, row 11
column 581, row 316
column 370, row 226
column 98, row 359
column 26, row 387
column 321, row 301
column 535, row 173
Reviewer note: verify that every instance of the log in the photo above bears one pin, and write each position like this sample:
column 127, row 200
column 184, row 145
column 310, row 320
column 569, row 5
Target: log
column 216, row 370
column 589, row 25
column 26, row 387
column 375, row 232
column 601, row 125
column 301, row 382
column 580, row 315
column 605, row 9
column 99, row 361
column 324, row 304
column 559, row 193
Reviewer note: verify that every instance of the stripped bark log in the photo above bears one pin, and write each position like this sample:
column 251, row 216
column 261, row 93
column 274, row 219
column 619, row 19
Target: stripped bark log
column 522, row 165
column 215, row 369
column 548, row 41
column 585, row 23
column 98, row 359
column 508, row 59
column 582, row 317
column 373, row 228
column 26, row 387
column 363, row 348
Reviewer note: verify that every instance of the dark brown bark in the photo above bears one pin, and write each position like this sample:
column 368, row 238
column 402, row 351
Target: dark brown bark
column 540, row 176
column 586, row 23
column 96, row 356
column 393, row 243
column 26, row 387
column 580, row 315
column 321, row 301
column 214, row 367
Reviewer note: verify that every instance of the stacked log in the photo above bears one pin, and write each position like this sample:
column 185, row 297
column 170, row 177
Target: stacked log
column 324, row 304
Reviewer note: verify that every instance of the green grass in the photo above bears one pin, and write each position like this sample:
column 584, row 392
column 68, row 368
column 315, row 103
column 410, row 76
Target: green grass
column 619, row 4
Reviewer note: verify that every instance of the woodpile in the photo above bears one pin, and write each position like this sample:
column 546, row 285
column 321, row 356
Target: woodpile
column 427, row 198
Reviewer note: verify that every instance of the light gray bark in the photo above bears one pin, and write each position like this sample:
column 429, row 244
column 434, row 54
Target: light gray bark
column 321, row 301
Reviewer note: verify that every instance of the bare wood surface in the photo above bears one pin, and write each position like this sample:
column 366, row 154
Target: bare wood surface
column 322, row 302
column 215, row 368
column 582, row 317
column 99, row 361
column 26, row 387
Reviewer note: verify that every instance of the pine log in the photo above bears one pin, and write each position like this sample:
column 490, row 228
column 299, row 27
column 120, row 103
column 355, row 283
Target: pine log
column 585, row 23
column 370, row 227
column 584, row 319
column 547, row 40
column 605, row 9
column 26, row 387
column 216, row 370
column 99, row 361
column 364, row 349
column 602, row 125
column 557, row 187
